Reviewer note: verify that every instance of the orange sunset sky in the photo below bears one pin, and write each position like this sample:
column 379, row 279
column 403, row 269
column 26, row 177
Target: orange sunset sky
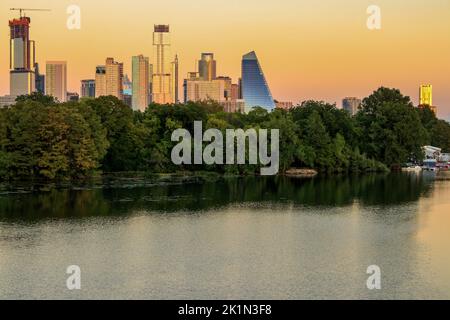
column 308, row 49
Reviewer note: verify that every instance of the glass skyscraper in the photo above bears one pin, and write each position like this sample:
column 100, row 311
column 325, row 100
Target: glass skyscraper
column 255, row 90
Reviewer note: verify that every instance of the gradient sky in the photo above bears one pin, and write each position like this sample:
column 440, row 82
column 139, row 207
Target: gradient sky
column 318, row 49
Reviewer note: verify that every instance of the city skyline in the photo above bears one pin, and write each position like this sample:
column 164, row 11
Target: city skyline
column 302, row 59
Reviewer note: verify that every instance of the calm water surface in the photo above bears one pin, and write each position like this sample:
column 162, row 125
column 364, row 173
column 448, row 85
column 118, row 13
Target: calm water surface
column 248, row 238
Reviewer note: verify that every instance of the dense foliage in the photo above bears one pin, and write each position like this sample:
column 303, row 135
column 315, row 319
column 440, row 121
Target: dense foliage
column 41, row 139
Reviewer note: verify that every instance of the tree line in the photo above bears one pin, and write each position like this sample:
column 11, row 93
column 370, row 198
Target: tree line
column 41, row 139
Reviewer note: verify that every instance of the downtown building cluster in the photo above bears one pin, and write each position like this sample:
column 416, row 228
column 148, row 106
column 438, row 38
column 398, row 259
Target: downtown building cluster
column 155, row 81
column 152, row 82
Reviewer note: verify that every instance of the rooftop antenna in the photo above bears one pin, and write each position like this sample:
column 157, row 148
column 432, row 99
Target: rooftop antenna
column 23, row 13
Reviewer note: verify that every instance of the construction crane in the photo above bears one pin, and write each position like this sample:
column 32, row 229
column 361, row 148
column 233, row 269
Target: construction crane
column 22, row 10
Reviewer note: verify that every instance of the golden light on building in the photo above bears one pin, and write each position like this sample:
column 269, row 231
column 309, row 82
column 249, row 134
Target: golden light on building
column 426, row 95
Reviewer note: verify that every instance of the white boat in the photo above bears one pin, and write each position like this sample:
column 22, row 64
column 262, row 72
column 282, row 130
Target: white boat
column 412, row 169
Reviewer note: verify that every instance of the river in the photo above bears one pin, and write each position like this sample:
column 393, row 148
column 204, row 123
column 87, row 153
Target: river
column 235, row 238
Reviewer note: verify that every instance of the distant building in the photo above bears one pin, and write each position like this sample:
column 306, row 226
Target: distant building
column 207, row 67
column 351, row 105
column 100, row 81
column 284, row 105
column 141, row 83
column 426, row 97
column 175, row 80
column 39, row 80
column 165, row 87
column 114, row 78
column 255, row 90
column 22, row 57
column 201, row 90
column 7, row 101
column 56, row 80
column 127, row 85
column 88, row 88
column 431, row 152
column 73, row 97
column 128, row 100
column 232, row 106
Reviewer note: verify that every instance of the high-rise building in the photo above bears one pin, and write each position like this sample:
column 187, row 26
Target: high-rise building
column 127, row 85
column 163, row 67
column 255, row 90
column 426, row 97
column 22, row 51
column 175, row 80
column 220, row 90
column 100, row 81
column 56, row 80
column 88, row 88
column 127, row 91
column 114, row 78
column 351, row 105
column 141, row 76
column 202, row 90
column 40, row 79
column 207, row 67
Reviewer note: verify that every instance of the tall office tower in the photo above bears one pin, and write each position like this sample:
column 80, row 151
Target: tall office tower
column 39, row 79
column 22, row 77
column 88, row 88
column 114, row 78
column 351, row 105
column 162, row 69
column 207, row 67
column 175, row 80
column 100, row 81
column 127, row 85
column 56, row 80
column 227, row 85
column 255, row 90
column 235, row 92
column 141, row 76
column 150, row 83
column 426, row 95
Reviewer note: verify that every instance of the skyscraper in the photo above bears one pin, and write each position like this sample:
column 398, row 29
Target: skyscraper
column 426, row 97
column 141, row 76
column 175, row 80
column 351, row 105
column 56, row 80
column 162, row 70
column 255, row 90
column 100, row 81
column 114, row 78
column 207, row 67
column 22, row 50
column 40, row 79
column 88, row 88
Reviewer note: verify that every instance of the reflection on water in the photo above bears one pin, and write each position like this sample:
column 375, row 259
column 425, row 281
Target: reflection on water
column 246, row 238
column 336, row 192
